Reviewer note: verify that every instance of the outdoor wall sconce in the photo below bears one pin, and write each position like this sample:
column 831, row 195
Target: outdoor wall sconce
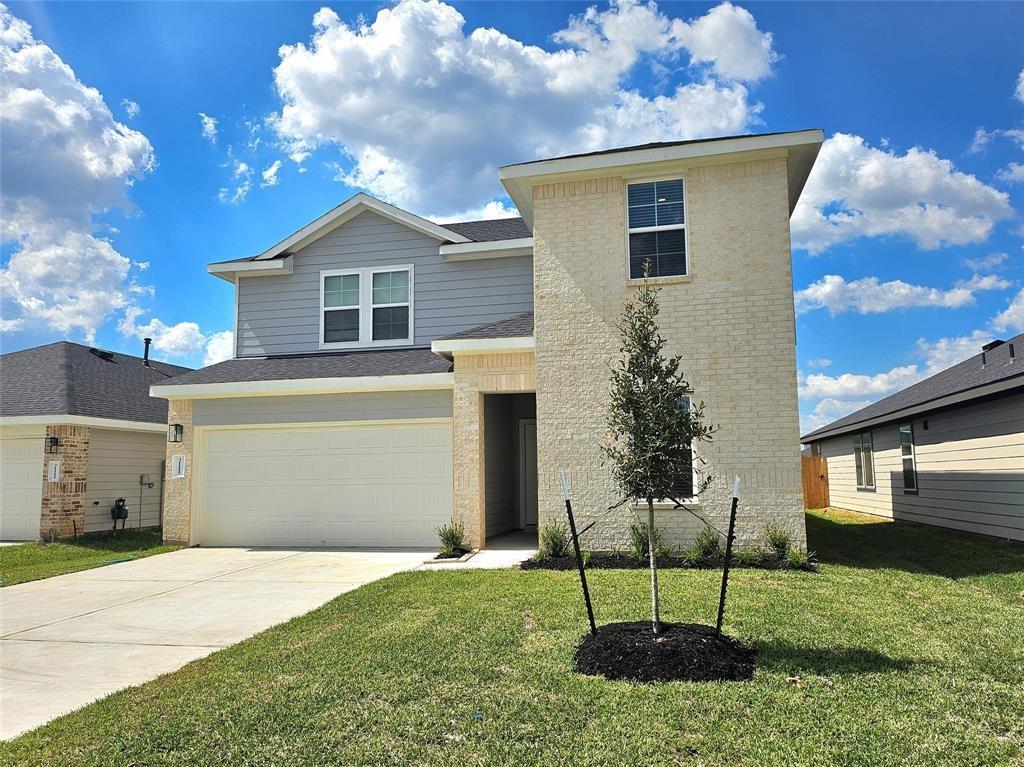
column 174, row 432
column 51, row 444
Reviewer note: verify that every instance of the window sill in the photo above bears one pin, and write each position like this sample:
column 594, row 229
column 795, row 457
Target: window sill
column 865, row 489
column 354, row 345
column 909, row 492
column 673, row 280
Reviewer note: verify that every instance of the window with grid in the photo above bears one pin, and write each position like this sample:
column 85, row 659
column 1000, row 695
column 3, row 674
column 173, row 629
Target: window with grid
column 657, row 228
column 864, row 459
column 366, row 307
column 908, row 457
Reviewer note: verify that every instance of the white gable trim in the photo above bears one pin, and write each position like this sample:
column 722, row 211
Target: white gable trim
column 348, row 210
column 470, row 251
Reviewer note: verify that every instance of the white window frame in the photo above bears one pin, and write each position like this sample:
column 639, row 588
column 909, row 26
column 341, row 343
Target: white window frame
column 859, row 445
column 669, row 227
column 912, row 457
column 669, row 503
column 366, row 308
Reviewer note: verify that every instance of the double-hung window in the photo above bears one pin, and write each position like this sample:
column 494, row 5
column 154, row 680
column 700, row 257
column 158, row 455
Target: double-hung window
column 864, row 459
column 657, row 228
column 366, row 307
column 908, row 457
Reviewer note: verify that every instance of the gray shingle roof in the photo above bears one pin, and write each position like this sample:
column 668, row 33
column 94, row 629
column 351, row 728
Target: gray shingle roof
column 65, row 378
column 962, row 377
column 492, row 230
column 514, row 327
column 353, row 364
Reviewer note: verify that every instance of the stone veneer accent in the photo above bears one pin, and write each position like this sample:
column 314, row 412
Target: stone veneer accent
column 177, row 526
column 475, row 376
column 63, row 506
column 732, row 320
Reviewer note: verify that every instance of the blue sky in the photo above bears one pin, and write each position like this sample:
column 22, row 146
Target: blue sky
column 907, row 247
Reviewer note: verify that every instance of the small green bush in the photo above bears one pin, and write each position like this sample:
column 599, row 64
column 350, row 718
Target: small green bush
column 554, row 541
column 707, row 544
column 585, row 558
column 638, row 541
column 778, row 540
column 616, row 552
column 799, row 560
column 691, row 557
column 749, row 555
column 453, row 540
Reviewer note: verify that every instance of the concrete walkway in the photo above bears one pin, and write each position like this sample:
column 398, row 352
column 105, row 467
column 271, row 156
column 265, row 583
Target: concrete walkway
column 69, row 640
column 501, row 551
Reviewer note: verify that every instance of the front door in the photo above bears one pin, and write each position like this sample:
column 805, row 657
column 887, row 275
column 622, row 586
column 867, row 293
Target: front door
column 528, row 471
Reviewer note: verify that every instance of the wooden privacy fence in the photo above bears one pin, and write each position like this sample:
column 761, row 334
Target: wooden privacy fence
column 815, row 480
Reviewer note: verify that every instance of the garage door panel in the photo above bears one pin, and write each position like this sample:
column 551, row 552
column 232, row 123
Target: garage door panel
column 21, row 488
column 328, row 486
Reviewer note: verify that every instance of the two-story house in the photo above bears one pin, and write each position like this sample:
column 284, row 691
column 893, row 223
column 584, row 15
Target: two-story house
column 392, row 373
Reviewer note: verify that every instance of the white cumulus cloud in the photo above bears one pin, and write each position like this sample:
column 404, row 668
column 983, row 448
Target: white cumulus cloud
column 847, row 385
column 183, row 341
column 219, row 347
column 1012, row 173
column 856, row 190
column 65, row 159
column 870, row 295
column 1019, row 92
column 423, row 111
column 131, row 108
column 1011, row 319
column 829, row 410
column 986, row 263
column 269, row 174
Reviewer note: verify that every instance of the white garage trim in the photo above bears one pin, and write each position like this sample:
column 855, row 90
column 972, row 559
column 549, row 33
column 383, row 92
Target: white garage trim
column 305, row 386
column 200, row 455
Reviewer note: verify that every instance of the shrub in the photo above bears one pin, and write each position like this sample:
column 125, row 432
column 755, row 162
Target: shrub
column 585, row 558
column 615, row 553
column 707, row 544
column 778, row 540
column 799, row 560
column 453, row 540
column 638, row 541
column 554, row 541
column 749, row 555
column 691, row 557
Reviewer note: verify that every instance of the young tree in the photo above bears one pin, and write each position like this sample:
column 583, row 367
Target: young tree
column 652, row 425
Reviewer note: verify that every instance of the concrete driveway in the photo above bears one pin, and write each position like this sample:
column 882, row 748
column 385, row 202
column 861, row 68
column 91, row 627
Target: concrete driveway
column 69, row 640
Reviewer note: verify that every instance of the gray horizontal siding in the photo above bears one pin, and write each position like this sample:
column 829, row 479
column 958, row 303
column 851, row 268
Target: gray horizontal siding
column 970, row 470
column 281, row 314
column 314, row 408
column 116, row 459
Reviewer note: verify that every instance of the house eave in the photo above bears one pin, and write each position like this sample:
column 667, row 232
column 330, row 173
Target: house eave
column 80, row 420
column 299, row 386
column 231, row 270
column 799, row 147
column 470, row 251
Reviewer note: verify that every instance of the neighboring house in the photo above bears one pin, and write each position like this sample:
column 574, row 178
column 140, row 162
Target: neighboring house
column 947, row 451
column 392, row 373
column 77, row 430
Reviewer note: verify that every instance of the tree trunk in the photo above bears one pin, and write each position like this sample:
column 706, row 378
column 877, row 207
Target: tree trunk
column 651, row 556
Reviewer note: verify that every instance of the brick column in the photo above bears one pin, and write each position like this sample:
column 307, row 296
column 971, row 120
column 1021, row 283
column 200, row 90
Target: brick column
column 177, row 522
column 63, row 506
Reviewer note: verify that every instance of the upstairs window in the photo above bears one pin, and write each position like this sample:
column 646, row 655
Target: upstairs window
column 657, row 228
column 864, row 459
column 908, row 457
column 366, row 307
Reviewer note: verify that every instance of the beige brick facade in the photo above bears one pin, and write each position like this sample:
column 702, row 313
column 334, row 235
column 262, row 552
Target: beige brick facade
column 177, row 517
column 475, row 376
column 732, row 321
column 63, row 505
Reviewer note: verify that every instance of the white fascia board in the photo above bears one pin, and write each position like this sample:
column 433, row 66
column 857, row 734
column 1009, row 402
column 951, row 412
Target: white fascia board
column 291, row 386
column 80, row 420
column 482, row 345
column 518, row 180
column 959, row 398
column 231, row 270
column 468, row 251
column 348, row 210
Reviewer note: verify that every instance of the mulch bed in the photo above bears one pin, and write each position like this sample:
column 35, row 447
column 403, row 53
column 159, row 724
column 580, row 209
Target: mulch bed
column 609, row 562
column 682, row 652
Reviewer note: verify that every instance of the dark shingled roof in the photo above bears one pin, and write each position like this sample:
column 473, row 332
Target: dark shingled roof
column 65, row 378
column 962, row 377
column 492, row 230
column 652, row 145
column 514, row 327
column 353, row 364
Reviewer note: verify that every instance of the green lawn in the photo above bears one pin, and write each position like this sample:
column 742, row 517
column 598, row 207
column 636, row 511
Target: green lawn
column 32, row 561
column 907, row 649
